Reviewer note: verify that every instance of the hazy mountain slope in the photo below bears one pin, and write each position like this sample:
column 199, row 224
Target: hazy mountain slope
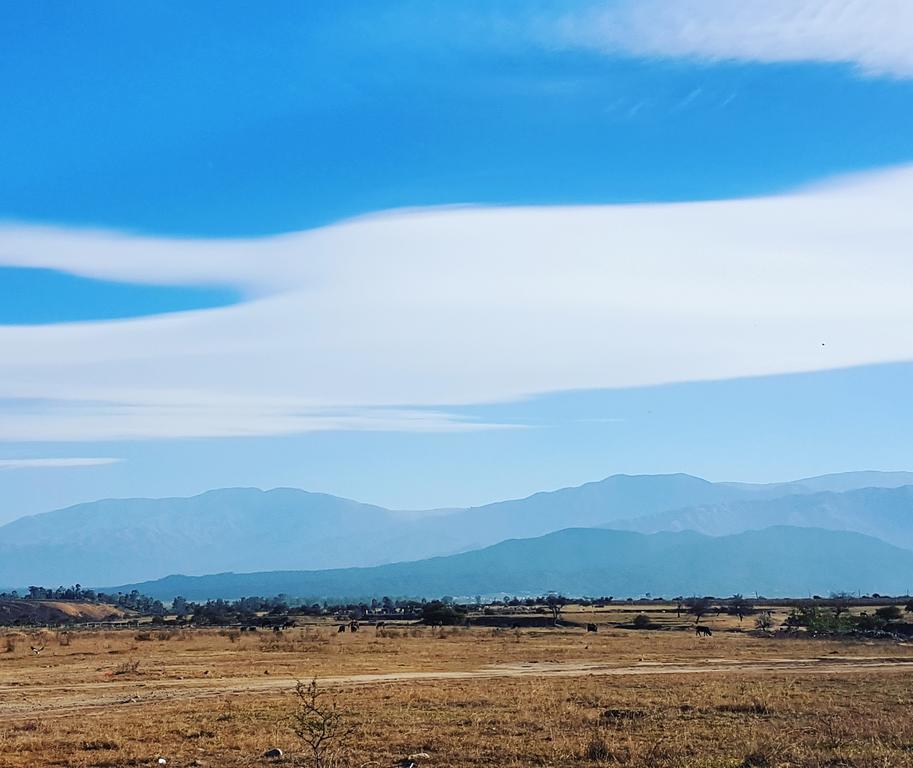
column 886, row 513
column 837, row 482
column 240, row 528
column 616, row 497
column 245, row 529
column 774, row 562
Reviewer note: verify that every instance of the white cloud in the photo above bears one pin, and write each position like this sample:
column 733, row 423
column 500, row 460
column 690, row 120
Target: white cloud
column 875, row 36
column 55, row 463
column 374, row 323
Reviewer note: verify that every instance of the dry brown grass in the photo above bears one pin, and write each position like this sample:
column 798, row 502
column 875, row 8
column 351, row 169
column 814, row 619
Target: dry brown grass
column 528, row 698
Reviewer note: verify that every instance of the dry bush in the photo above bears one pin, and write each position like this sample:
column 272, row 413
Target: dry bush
column 28, row 726
column 127, row 667
column 9, row 643
column 320, row 725
column 233, row 635
column 597, row 749
column 99, row 744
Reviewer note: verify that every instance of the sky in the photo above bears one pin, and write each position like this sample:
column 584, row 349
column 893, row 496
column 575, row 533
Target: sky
column 437, row 254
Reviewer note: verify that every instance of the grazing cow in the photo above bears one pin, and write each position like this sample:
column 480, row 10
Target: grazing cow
column 592, row 628
column 380, row 625
column 342, row 628
column 701, row 631
column 353, row 626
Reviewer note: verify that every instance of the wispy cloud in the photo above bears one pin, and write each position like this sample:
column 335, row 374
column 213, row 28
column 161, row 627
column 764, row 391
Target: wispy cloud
column 55, row 463
column 373, row 324
column 872, row 35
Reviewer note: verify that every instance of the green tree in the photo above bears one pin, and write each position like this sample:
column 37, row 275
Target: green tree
column 556, row 604
column 889, row 613
column 699, row 607
column 436, row 612
column 179, row 605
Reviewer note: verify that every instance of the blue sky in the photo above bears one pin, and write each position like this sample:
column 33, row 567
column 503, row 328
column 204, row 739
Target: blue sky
column 209, row 168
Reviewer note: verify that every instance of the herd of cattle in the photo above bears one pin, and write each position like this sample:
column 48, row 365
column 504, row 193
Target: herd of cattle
column 354, row 626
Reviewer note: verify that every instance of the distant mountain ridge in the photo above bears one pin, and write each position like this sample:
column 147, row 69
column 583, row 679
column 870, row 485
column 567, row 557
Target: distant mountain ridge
column 246, row 529
column 774, row 562
column 885, row 513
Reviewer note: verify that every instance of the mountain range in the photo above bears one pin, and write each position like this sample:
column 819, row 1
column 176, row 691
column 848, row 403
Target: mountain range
column 119, row 541
column 886, row 513
column 774, row 562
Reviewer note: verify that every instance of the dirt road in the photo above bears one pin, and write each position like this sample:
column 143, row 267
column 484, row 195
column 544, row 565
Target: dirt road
column 30, row 701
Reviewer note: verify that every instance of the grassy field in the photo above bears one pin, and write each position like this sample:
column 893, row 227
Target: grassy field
column 461, row 696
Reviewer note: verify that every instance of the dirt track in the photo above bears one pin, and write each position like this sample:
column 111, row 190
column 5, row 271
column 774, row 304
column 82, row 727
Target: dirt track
column 18, row 702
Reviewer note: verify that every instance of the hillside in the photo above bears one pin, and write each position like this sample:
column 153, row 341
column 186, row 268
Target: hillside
column 243, row 528
column 55, row 611
column 886, row 513
column 246, row 529
column 779, row 561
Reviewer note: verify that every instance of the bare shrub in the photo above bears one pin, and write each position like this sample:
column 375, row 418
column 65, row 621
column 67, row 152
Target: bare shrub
column 89, row 746
column 746, row 708
column 127, row 668
column 597, row 749
column 10, row 643
column 757, row 758
column 28, row 726
column 321, row 725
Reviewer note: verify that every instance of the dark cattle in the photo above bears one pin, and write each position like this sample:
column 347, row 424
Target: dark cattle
column 277, row 629
column 342, row 628
column 353, row 626
column 592, row 628
column 380, row 625
column 703, row 631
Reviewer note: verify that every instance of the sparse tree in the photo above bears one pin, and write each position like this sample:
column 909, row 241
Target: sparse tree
column 740, row 606
column 556, row 604
column 764, row 622
column 179, row 605
column 320, row 725
column 841, row 602
column 699, row 606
